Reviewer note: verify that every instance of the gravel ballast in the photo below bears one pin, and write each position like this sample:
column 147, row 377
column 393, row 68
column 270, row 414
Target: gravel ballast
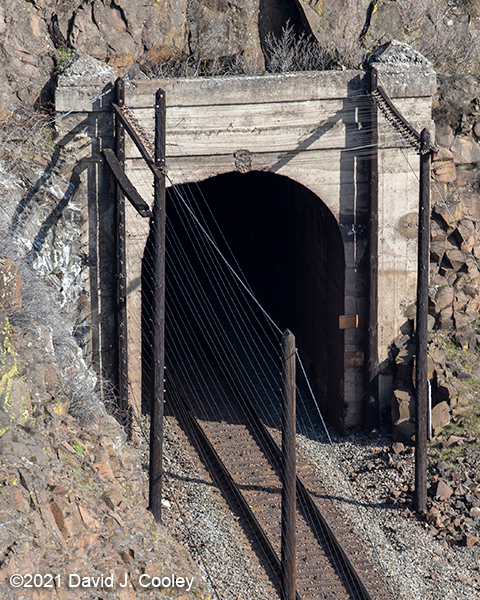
column 418, row 565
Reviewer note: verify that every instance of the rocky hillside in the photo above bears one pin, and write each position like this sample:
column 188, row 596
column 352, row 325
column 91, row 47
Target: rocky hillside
column 72, row 493
column 37, row 36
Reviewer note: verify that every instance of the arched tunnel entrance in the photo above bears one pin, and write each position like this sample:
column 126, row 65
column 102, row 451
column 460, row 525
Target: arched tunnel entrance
column 289, row 247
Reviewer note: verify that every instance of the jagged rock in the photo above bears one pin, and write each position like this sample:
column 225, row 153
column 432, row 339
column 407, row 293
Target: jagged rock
column 466, row 151
column 430, row 367
column 439, row 280
column 404, row 360
column 473, row 272
column 446, row 320
column 453, row 440
column 398, row 448
column 437, row 250
column 443, row 298
column 437, row 233
column 465, row 339
column 440, row 417
column 473, row 308
column 443, row 154
column 445, row 392
column 456, row 258
column 445, row 171
column 442, row 490
column 470, row 540
column 411, row 311
column 461, row 280
column 444, row 136
column 461, row 319
column 459, row 410
column 466, row 235
column 434, row 517
column 437, row 355
column 403, row 430
column 398, row 53
column 10, row 285
column 451, row 215
column 460, row 301
column 403, row 404
column 464, row 399
column 472, row 290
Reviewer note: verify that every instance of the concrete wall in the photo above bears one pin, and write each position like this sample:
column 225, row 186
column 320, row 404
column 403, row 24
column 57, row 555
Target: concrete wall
column 310, row 127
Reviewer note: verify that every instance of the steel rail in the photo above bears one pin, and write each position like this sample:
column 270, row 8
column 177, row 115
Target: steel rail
column 307, row 500
column 307, row 505
column 190, row 424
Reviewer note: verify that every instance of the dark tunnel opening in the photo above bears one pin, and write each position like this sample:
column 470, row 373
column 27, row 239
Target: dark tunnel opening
column 288, row 245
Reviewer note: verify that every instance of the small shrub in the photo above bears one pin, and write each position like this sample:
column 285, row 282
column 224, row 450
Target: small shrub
column 62, row 58
column 290, row 53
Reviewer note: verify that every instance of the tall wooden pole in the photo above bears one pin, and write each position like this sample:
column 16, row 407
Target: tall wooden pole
column 288, row 469
column 372, row 408
column 157, row 401
column 421, row 369
column 122, row 344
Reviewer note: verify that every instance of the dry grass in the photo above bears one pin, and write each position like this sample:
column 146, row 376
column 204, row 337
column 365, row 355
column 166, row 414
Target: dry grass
column 26, row 145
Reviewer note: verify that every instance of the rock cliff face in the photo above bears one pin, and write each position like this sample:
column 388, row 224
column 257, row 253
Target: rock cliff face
column 72, row 497
column 36, row 36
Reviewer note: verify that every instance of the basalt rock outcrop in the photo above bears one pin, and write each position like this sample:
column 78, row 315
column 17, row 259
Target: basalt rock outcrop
column 72, row 495
column 454, row 302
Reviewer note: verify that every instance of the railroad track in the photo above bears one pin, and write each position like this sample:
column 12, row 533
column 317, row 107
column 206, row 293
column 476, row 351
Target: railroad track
column 244, row 459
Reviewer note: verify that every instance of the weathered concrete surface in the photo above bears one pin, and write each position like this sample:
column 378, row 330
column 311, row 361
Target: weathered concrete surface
column 410, row 81
column 313, row 129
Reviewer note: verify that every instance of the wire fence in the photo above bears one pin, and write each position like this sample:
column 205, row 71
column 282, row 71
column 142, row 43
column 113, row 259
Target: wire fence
column 221, row 342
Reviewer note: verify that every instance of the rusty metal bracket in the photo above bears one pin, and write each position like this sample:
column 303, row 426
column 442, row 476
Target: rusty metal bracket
column 159, row 174
column 128, row 188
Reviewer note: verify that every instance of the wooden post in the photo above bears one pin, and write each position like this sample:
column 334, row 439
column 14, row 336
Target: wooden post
column 157, row 401
column 288, row 469
column 421, row 369
column 371, row 408
column 122, row 339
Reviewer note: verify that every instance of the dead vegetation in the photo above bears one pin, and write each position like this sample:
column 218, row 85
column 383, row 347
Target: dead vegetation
column 26, row 150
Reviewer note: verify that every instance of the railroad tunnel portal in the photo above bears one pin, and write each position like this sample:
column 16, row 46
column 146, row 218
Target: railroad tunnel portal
column 289, row 248
column 302, row 137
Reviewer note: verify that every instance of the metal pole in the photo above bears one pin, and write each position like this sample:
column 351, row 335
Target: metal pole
column 421, row 369
column 288, row 469
column 371, row 408
column 122, row 339
column 157, row 400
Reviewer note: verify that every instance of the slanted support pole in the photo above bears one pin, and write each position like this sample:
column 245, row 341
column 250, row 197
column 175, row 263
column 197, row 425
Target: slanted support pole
column 372, row 405
column 157, row 400
column 421, row 369
column 122, row 343
column 288, row 469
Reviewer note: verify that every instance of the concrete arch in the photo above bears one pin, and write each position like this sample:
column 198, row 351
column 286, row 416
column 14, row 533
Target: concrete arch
column 290, row 248
column 312, row 128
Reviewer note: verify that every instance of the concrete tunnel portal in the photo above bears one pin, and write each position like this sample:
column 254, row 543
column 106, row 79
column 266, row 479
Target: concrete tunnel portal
column 302, row 245
column 289, row 247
